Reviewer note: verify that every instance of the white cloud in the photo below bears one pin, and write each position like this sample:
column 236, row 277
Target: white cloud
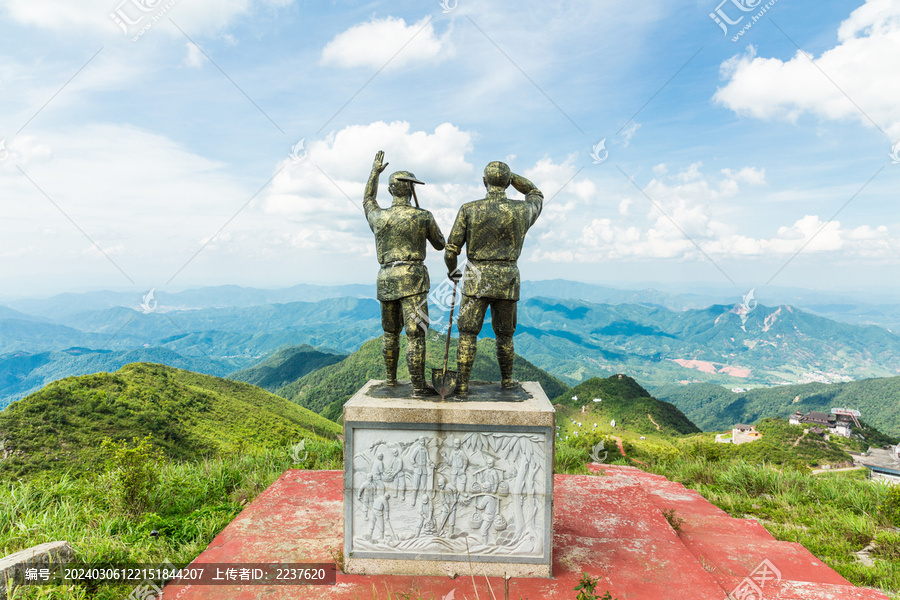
column 628, row 133
column 194, row 56
column 141, row 197
column 324, row 191
column 205, row 16
column 750, row 175
column 376, row 43
column 861, row 65
column 691, row 202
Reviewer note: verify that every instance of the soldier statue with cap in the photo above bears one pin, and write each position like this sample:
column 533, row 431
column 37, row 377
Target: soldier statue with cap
column 401, row 232
column 493, row 230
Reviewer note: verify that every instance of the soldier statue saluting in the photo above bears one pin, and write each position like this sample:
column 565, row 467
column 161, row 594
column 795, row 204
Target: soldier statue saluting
column 401, row 232
column 493, row 230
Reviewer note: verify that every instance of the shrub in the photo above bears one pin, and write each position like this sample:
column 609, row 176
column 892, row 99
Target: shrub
column 890, row 507
column 134, row 472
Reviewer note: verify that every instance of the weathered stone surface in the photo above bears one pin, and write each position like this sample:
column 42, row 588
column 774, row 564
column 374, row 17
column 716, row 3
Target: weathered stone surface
column 431, row 486
column 12, row 567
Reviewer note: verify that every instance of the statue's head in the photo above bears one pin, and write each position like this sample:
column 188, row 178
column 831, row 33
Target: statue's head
column 400, row 183
column 456, row 443
column 490, row 462
column 395, row 452
column 497, row 174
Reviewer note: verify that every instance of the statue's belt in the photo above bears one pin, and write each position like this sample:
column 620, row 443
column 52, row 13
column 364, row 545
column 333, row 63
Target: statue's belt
column 475, row 263
column 400, row 263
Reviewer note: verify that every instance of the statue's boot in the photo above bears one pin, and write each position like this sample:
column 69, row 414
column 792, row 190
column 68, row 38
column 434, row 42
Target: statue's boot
column 505, row 356
column 390, row 348
column 465, row 358
column 415, row 362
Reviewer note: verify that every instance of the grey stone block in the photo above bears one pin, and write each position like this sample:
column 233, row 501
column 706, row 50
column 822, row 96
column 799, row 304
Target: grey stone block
column 449, row 488
column 12, row 567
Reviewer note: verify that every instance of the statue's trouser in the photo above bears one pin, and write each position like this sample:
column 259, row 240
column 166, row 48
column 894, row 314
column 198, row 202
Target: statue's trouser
column 410, row 313
column 471, row 320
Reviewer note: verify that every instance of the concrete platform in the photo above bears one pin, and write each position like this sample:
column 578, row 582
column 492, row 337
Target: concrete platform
column 609, row 526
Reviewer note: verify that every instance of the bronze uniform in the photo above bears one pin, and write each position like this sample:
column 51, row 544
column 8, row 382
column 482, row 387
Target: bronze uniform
column 493, row 230
column 401, row 232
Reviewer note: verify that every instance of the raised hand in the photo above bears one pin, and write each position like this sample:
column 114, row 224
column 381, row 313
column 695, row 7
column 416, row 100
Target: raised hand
column 378, row 165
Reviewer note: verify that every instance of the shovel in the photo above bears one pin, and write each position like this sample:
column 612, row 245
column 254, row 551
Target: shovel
column 442, row 380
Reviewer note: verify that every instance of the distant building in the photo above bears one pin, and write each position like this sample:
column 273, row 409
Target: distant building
column 740, row 434
column 738, row 390
column 835, row 424
column 884, row 474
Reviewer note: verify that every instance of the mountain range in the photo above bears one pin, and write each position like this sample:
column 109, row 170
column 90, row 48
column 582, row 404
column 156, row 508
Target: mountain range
column 740, row 346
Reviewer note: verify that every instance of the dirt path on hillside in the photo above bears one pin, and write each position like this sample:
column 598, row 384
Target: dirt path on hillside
column 797, row 441
column 658, row 428
column 818, row 471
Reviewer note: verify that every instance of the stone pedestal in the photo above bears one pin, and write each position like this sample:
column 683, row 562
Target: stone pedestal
column 437, row 487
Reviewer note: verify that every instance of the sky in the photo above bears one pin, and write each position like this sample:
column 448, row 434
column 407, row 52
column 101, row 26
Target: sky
column 173, row 144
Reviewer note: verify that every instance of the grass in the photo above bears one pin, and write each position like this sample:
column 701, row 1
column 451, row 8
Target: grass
column 834, row 515
column 191, row 503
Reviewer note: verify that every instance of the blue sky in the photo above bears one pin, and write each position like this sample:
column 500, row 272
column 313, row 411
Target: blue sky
column 170, row 160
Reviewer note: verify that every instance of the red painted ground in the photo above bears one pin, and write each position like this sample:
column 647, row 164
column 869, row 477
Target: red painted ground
column 610, row 527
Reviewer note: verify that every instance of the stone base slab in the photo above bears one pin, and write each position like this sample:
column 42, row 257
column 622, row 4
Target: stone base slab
column 432, row 487
column 374, row 566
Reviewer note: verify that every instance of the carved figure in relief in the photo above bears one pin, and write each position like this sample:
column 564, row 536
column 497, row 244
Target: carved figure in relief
column 367, row 494
column 396, row 476
column 381, row 515
column 459, row 462
column 488, row 480
column 446, row 520
column 378, row 472
column 421, row 463
column 426, row 517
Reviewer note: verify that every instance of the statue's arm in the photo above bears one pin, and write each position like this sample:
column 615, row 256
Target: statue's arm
column 456, row 241
column 369, row 202
column 534, row 198
column 434, row 235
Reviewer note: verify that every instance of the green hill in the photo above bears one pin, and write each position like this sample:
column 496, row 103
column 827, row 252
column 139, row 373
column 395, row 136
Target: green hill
column 285, row 366
column 187, row 414
column 715, row 408
column 622, row 399
column 22, row 373
column 325, row 391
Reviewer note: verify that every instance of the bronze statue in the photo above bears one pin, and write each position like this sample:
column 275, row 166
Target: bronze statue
column 493, row 230
column 401, row 231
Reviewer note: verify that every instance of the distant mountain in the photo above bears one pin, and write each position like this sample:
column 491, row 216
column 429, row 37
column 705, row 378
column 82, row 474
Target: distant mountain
column 63, row 306
column 342, row 323
column 563, row 289
column 715, row 408
column 715, row 344
column 286, row 366
column 7, row 313
column 325, row 391
column 622, row 399
column 187, row 414
column 33, row 335
column 22, row 373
